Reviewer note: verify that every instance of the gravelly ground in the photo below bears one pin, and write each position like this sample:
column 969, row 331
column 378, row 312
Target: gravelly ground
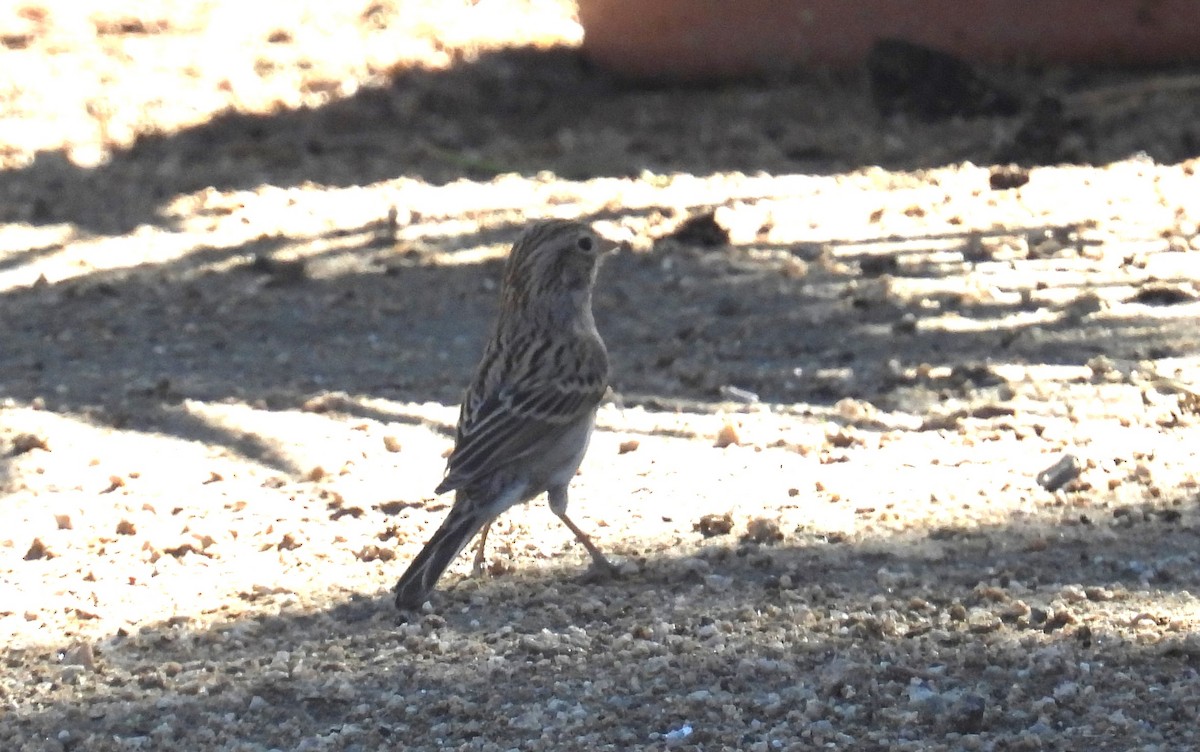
column 245, row 270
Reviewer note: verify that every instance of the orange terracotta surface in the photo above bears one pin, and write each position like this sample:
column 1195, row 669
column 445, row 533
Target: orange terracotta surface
column 696, row 39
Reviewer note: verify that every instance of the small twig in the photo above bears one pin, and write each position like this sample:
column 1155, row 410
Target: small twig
column 1119, row 98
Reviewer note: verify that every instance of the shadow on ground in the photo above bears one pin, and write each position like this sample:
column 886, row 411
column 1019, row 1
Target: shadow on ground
column 528, row 110
column 683, row 324
column 121, row 346
column 957, row 634
column 863, row 645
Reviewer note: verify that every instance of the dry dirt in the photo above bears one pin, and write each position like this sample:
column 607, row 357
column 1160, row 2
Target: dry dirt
column 248, row 253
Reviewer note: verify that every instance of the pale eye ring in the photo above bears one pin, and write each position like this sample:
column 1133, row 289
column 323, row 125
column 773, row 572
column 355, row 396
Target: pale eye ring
column 585, row 243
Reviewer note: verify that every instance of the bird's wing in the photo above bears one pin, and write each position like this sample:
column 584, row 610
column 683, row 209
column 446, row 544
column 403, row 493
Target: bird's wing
column 514, row 421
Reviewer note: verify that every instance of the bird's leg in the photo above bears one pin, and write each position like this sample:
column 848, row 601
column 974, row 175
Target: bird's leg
column 558, row 505
column 479, row 567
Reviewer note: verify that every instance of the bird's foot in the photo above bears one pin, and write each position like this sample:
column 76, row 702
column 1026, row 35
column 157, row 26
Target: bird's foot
column 483, row 568
column 601, row 570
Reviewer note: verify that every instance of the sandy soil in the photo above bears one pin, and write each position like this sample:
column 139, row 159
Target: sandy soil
column 247, row 260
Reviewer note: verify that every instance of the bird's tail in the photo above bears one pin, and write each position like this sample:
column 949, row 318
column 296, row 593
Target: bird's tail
column 422, row 575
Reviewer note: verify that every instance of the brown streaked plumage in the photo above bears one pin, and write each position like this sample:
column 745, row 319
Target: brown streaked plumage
column 526, row 419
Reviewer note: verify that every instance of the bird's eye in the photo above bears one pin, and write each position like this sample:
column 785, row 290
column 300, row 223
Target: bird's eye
column 585, row 243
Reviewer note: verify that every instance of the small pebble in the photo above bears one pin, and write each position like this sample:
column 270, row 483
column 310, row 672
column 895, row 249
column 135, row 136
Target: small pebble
column 727, row 436
column 1062, row 472
column 711, row 525
column 762, row 530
